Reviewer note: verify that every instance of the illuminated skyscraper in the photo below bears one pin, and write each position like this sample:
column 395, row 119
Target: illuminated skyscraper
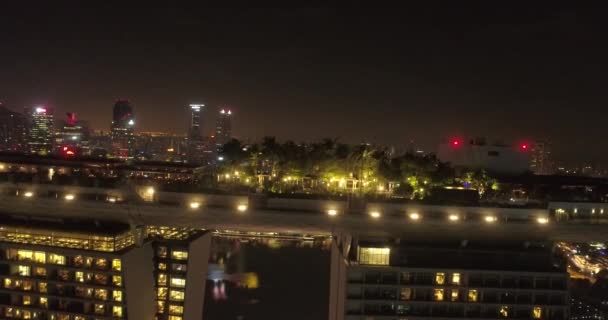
column 223, row 127
column 195, row 121
column 41, row 131
column 195, row 138
column 123, row 124
column 540, row 158
column 13, row 130
column 73, row 134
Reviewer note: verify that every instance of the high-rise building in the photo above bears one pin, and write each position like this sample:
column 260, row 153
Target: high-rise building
column 84, row 270
column 460, row 279
column 540, row 158
column 123, row 125
column 72, row 136
column 41, row 131
column 13, row 130
column 195, row 137
column 223, row 127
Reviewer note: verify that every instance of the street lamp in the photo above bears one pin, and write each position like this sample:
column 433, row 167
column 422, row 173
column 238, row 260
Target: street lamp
column 28, row 194
column 69, row 197
column 241, row 207
column 375, row 214
column 454, row 217
column 332, row 212
column 195, row 205
column 490, row 219
column 414, row 216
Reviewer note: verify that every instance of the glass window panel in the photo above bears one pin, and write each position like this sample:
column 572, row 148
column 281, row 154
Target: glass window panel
column 179, row 255
column 374, row 256
column 438, row 295
column 439, row 278
column 178, row 282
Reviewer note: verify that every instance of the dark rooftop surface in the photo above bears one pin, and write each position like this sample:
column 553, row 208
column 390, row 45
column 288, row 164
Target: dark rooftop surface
column 97, row 227
column 492, row 255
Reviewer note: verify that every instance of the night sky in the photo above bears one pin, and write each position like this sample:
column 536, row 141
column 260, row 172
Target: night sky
column 377, row 75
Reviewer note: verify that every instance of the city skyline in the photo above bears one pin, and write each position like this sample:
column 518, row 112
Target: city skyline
column 504, row 72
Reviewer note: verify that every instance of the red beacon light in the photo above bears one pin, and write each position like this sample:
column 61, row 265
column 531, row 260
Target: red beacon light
column 456, row 143
column 524, row 147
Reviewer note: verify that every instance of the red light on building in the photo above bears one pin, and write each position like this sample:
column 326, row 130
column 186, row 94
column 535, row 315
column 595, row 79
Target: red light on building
column 524, row 147
column 456, row 142
column 68, row 151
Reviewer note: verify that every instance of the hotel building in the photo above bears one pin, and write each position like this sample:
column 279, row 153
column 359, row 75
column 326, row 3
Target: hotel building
column 460, row 280
column 90, row 270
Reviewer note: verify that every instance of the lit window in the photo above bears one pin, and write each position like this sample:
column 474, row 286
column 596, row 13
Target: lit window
column 161, row 252
column 88, row 262
column 504, row 311
column 117, row 281
column 56, row 259
column 117, row 295
column 23, row 271
column 175, row 318
column 176, row 295
column 406, row 294
column 178, row 282
column 456, row 278
column 116, row 265
column 79, row 276
column 162, row 266
column 472, row 295
column 454, row 296
column 100, row 308
column 101, row 263
column 161, row 293
column 438, row 295
column 117, row 311
column 44, row 302
column 8, row 283
column 25, row 255
column 40, row 257
column 179, row 255
column 42, row 288
column 162, row 279
column 40, row 272
column 27, row 314
column 173, row 309
column 27, row 285
column 101, row 294
column 160, row 307
column 439, row 278
column 377, row 256
column 537, row 312
column 27, row 300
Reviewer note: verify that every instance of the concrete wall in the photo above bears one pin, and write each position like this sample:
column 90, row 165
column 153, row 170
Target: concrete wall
column 138, row 282
column 337, row 278
column 196, row 277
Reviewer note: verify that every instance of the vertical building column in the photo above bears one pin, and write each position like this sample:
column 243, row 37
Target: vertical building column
column 338, row 268
column 196, row 277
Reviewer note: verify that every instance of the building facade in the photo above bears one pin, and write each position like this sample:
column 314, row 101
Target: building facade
column 73, row 136
column 540, row 158
column 13, row 130
column 123, row 130
column 401, row 281
column 84, row 270
column 223, row 128
column 478, row 155
column 41, row 131
column 195, row 137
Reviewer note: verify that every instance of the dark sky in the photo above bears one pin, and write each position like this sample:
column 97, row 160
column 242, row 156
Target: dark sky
column 379, row 75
